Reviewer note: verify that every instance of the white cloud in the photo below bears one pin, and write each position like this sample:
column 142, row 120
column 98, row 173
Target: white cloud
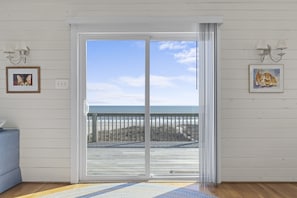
column 161, row 81
column 186, row 56
column 192, row 69
column 172, row 45
column 155, row 80
column 101, row 87
column 116, row 99
column 133, row 81
column 104, row 93
column 183, row 52
column 188, row 79
column 119, row 94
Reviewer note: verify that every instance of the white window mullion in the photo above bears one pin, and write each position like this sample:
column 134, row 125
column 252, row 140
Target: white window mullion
column 147, row 108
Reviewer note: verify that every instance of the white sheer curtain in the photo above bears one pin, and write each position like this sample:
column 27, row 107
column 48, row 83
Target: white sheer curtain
column 207, row 103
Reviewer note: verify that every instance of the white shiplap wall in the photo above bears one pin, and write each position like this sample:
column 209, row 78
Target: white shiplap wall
column 43, row 119
column 258, row 135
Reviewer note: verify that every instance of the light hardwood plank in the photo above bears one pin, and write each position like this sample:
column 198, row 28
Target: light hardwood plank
column 224, row 190
column 29, row 188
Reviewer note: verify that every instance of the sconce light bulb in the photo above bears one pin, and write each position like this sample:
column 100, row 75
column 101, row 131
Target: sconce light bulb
column 262, row 45
column 281, row 45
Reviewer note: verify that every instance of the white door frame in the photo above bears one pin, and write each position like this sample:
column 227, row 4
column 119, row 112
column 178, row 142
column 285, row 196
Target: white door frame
column 80, row 26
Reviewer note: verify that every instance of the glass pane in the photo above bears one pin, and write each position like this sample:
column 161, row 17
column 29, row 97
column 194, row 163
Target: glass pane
column 115, row 94
column 174, row 109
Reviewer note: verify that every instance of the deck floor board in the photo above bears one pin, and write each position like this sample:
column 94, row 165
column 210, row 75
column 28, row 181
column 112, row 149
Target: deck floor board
column 130, row 160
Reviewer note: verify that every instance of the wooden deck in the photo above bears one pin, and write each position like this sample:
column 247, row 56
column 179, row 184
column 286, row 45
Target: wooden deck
column 167, row 159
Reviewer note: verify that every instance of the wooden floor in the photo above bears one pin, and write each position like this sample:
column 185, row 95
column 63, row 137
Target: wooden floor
column 255, row 190
column 224, row 190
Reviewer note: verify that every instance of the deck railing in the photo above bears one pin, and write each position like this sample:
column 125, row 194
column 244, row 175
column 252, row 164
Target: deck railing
column 124, row 127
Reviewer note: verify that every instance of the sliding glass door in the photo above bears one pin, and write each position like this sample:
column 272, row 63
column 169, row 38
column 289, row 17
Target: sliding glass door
column 115, row 92
column 174, row 108
column 141, row 114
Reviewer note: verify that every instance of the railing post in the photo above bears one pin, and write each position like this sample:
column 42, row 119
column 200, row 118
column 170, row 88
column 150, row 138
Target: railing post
column 94, row 127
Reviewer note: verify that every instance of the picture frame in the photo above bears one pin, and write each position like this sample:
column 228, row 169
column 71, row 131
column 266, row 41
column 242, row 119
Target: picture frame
column 266, row 78
column 23, row 79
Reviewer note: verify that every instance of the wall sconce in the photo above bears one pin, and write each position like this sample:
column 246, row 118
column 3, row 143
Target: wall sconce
column 18, row 54
column 265, row 49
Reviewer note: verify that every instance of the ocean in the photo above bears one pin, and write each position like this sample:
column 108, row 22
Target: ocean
column 140, row 109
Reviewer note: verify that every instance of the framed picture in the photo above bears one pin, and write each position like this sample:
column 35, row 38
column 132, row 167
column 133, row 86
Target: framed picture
column 23, row 79
column 266, row 78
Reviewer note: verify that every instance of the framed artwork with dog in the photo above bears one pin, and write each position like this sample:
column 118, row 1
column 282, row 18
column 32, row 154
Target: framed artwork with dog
column 266, row 78
column 23, row 79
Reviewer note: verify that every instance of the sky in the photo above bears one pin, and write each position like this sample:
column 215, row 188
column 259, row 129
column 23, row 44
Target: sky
column 116, row 72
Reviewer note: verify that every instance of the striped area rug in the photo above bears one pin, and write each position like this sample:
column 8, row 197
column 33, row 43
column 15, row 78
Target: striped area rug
column 125, row 190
